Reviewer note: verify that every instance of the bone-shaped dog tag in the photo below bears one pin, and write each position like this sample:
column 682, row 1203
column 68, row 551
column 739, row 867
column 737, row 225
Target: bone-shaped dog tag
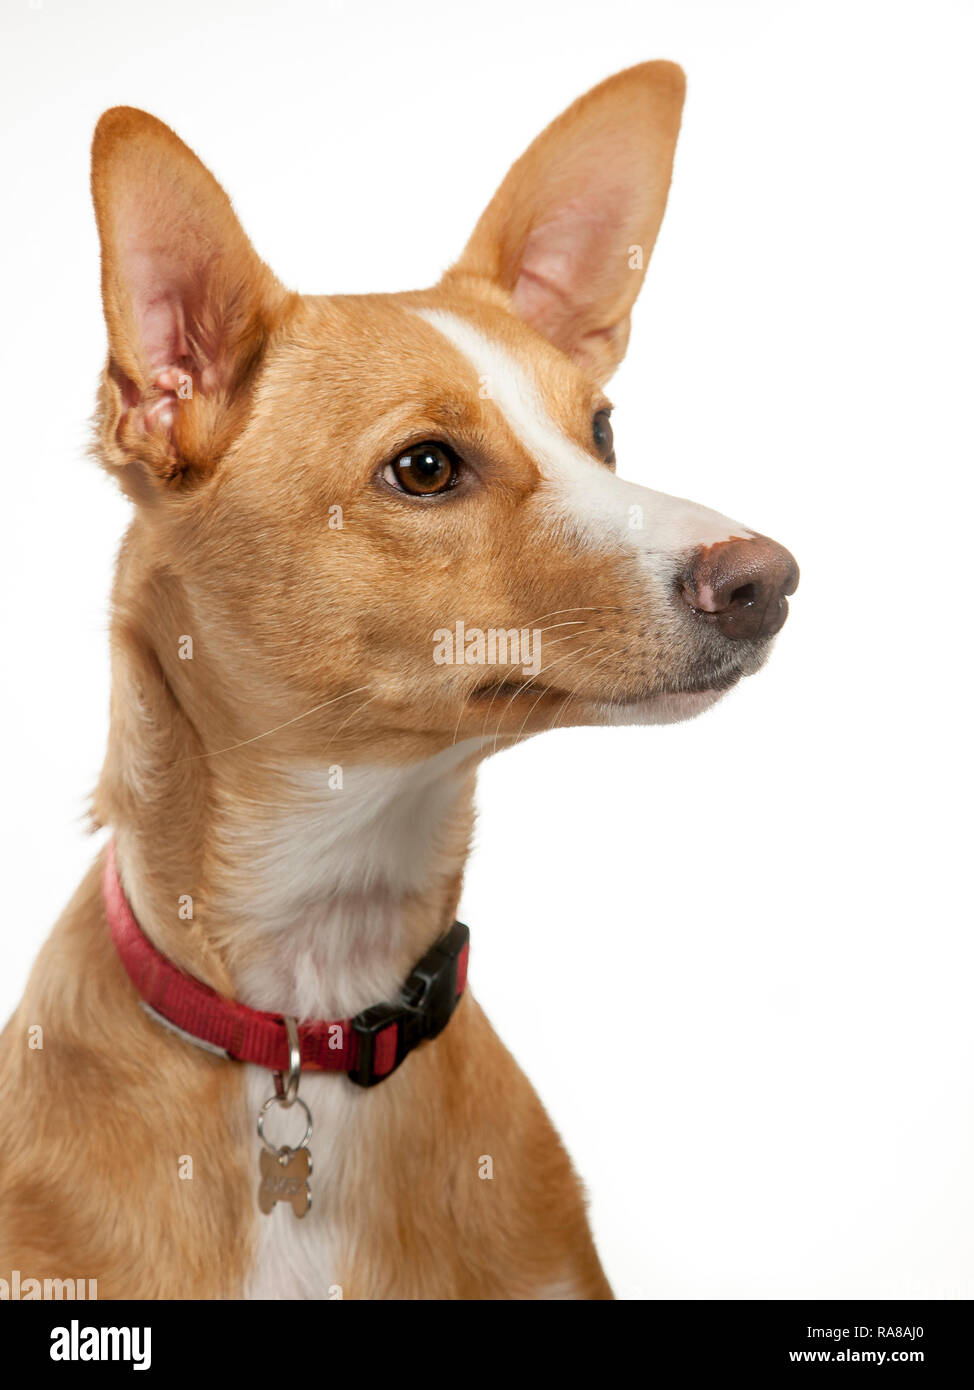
column 284, row 1178
column 284, row 1172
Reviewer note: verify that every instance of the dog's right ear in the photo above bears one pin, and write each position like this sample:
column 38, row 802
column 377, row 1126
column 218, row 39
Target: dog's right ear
column 188, row 302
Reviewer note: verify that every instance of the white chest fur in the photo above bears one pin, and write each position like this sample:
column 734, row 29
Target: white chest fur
column 298, row 1257
column 323, row 904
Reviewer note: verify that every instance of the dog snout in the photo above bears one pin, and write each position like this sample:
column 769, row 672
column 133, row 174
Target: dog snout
column 741, row 586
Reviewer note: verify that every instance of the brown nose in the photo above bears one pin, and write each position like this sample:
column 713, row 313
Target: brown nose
column 742, row 586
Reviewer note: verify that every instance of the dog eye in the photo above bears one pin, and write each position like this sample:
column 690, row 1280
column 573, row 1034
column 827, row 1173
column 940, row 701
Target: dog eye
column 602, row 436
column 423, row 470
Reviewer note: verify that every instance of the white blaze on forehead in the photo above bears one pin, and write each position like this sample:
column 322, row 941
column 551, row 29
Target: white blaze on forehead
column 583, row 494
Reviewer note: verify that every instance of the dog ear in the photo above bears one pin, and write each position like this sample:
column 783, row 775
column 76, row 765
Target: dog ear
column 570, row 230
column 187, row 301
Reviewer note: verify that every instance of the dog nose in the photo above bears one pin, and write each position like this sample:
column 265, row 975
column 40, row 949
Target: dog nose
column 744, row 584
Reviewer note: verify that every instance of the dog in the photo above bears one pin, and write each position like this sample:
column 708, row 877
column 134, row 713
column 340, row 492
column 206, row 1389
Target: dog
column 374, row 538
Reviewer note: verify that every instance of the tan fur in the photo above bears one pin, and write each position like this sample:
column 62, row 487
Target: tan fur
column 96, row 1122
column 322, row 636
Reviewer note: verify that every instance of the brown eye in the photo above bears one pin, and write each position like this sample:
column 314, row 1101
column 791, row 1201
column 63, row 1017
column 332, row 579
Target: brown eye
column 602, row 436
column 423, row 470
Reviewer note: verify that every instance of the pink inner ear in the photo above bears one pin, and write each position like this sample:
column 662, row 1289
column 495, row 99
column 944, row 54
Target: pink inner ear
column 158, row 293
column 161, row 321
column 161, row 290
column 569, row 264
column 156, row 286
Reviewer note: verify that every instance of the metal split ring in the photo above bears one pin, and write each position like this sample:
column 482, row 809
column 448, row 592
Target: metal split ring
column 280, row 1100
column 287, row 1087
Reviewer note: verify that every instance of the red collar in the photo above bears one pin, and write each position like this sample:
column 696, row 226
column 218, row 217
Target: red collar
column 368, row 1047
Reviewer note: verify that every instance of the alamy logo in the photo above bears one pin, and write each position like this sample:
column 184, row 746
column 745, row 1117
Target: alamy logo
column 17, row 1289
column 497, row 646
column 76, row 1343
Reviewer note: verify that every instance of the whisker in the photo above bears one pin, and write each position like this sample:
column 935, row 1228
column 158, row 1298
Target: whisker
column 609, row 653
column 195, row 757
column 575, row 694
column 354, row 714
column 571, row 622
column 524, row 685
column 590, row 608
column 521, row 688
column 471, row 693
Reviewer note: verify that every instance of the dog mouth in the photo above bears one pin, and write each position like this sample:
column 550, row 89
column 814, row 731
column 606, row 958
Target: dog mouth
column 696, row 677
column 718, row 684
column 510, row 689
column 713, row 686
column 655, row 703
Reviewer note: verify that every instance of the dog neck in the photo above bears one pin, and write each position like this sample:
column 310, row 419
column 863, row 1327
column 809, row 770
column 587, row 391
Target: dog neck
column 332, row 892
column 295, row 886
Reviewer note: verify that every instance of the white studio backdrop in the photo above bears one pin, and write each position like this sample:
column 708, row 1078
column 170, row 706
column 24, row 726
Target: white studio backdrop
column 734, row 955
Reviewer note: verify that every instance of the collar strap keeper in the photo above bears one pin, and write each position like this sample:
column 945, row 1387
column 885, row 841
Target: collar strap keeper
column 367, row 1047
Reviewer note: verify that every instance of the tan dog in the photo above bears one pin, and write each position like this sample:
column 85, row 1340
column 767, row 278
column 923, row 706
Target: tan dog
column 346, row 510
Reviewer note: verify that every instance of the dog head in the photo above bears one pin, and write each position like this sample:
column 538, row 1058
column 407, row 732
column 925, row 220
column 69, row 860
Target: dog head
column 396, row 519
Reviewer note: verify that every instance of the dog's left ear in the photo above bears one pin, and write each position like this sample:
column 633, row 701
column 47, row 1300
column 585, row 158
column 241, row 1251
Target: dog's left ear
column 569, row 232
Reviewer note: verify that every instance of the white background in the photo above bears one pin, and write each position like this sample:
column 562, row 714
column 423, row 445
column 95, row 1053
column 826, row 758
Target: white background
column 734, row 955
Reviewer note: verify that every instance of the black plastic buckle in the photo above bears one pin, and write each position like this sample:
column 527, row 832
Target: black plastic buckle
column 423, row 1009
